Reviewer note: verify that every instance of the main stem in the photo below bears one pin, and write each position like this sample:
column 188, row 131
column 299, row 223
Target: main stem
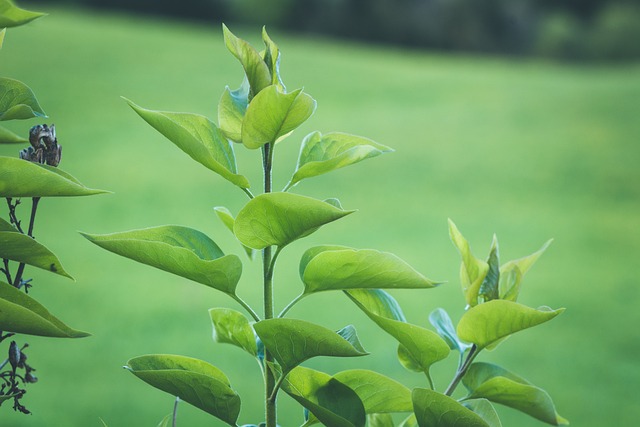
column 462, row 369
column 269, row 378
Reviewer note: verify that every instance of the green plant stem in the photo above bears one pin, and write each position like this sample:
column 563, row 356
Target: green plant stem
column 287, row 187
column 248, row 192
column 462, row 370
column 267, row 268
column 17, row 281
column 291, row 304
column 247, row 307
column 274, row 393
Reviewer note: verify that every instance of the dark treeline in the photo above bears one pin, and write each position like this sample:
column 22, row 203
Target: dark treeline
column 567, row 29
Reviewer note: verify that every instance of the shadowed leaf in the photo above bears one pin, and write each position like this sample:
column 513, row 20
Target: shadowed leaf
column 22, row 314
column 17, row 101
column 231, row 327
column 472, row 270
column 21, row 178
column 8, row 137
column 194, row 381
column 22, row 248
column 435, row 409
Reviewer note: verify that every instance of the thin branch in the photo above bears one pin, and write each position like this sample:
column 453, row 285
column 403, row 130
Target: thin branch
column 174, row 419
column 248, row 192
column 291, row 304
column 247, row 307
column 276, row 388
column 462, row 370
column 17, row 282
column 12, row 213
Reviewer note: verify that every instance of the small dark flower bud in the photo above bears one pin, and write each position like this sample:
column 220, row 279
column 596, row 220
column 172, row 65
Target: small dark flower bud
column 14, row 355
column 30, row 378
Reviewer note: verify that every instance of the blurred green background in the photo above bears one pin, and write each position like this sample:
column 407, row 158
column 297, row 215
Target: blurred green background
column 527, row 149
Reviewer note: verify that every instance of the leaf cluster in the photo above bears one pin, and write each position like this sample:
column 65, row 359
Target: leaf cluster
column 259, row 115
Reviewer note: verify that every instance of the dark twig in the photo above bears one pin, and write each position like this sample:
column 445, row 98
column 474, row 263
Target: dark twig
column 17, row 282
column 12, row 213
column 6, row 271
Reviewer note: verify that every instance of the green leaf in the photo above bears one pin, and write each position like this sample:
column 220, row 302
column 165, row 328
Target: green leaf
column 273, row 114
column 272, row 59
column 491, row 382
column 378, row 393
column 291, row 342
column 194, row 381
column 331, row 402
column 229, row 221
column 410, row 421
column 320, row 154
column 280, row 218
column 24, row 249
column 489, row 287
column 442, row 322
column 512, row 272
column 424, row 346
column 380, row 420
column 487, row 323
column 22, row 314
column 21, row 178
column 485, row 409
column 13, row 16
column 2, row 33
column 231, row 109
column 179, row 250
column 166, row 421
column 231, row 327
column 472, row 270
column 6, row 136
column 17, row 101
column 255, row 68
column 435, row 409
column 329, row 268
column 197, row 136
column 6, row 226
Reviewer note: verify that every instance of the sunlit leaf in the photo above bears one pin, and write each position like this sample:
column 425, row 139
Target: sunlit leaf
column 21, row 178
column 194, row 381
column 17, row 101
column 489, row 287
column 273, row 114
column 272, row 59
column 8, row 137
column 231, row 109
column 22, row 314
column 331, row 402
column 410, row 421
column 199, row 137
column 435, row 409
column 229, row 221
column 24, row 249
column 472, row 270
column 489, row 322
column 13, row 16
column 231, row 327
column 485, row 409
column 255, row 68
column 320, row 154
column 424, row 346
column 327, row 268
column 512, row 272
column 491, row 382
column 380, row 420
column 280, row 218
column 291, row 342
column 442, row 322
column 179, row 250
column 378, row 393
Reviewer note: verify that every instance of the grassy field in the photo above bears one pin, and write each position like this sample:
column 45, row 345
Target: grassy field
column 525, row 149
